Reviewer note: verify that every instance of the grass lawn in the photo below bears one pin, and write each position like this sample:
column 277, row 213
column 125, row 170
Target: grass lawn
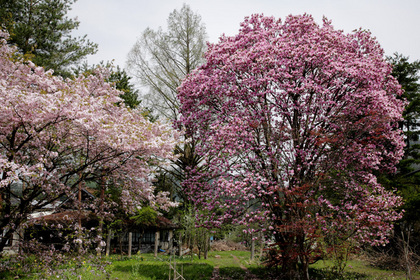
column 357, row 269
column 146, row 267
column 229, row 264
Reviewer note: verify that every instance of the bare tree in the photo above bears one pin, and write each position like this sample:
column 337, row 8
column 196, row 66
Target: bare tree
column 160, row 60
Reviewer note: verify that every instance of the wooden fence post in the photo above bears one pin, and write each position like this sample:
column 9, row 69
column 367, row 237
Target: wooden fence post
column 157, row 235
column 130, row 243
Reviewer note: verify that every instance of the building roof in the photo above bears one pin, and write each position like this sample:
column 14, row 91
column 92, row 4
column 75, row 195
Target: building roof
column 65, row 217
column 71, row 216
column 164, row 223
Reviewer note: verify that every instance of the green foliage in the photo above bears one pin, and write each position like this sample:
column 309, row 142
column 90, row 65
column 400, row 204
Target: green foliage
column 159, row 59
column 407, row 75
column 121, row 81
column 41, row 31
column 407, row 178
column 145, row 217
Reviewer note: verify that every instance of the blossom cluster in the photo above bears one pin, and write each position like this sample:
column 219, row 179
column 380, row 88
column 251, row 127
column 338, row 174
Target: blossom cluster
column 293, row 119
column 56, row 133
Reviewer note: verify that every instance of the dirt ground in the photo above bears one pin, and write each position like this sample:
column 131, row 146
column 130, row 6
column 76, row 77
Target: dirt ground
column 227, row 245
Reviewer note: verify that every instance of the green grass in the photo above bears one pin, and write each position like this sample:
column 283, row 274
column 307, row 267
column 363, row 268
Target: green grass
column 357, row 269
column 146, row 267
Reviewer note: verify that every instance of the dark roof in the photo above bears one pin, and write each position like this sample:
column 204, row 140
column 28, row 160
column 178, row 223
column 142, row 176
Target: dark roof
column 161, row 223
column 71, row 216
column 164, row 223
column 66, row 217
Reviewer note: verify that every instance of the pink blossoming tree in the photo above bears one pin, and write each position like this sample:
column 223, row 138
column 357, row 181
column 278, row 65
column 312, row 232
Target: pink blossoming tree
column 293, row 119
column 56, row 133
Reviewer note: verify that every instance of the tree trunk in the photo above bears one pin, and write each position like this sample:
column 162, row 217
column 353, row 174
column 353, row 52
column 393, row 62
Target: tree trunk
column 79, row 218
column 101, row 209
column 406, row 250
column 289, row 262
column 252, row 247
column 121, row 236
column 206, row 245
column 199, row 242
column 262, row 244
column 191, row 245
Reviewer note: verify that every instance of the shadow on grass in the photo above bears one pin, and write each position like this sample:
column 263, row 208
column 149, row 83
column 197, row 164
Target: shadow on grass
column 232, row 273
column 314, row 274
column 326, row 274
column 146, row 270
column 161, row 271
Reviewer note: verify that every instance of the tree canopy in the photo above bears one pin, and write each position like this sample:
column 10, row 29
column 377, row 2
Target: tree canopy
column 41, row 31
column 56, row 133
column 293, row 119
column 160, row 59
column 407, row 178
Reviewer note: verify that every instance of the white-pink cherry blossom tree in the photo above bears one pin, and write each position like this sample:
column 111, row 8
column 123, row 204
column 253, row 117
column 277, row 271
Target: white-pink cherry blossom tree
column 56, row 133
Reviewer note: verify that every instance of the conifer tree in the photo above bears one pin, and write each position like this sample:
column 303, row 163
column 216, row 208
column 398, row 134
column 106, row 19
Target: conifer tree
column 407, row 178
column 41, row 31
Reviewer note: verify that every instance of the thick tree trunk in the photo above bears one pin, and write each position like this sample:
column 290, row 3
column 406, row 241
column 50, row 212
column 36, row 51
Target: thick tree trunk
column 288, row 255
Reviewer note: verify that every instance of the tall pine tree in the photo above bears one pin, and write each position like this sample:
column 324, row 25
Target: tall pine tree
column 407, row 178
column 41, row 30
column 403, row 248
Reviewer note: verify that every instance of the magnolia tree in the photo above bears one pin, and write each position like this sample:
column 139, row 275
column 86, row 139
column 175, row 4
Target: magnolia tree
column 55, row 134
column 294, row 118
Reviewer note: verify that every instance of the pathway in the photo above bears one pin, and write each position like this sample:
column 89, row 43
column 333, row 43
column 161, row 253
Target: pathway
column 248, row 274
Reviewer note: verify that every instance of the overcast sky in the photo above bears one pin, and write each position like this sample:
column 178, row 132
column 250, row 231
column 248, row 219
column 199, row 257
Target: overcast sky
column 115, row 25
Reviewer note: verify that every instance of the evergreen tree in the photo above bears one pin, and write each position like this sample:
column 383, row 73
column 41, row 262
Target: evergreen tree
column 407, row 75
column 407, row 178
column 41, row 30
column 121, row 81
column 117, row 77
column 403, row 245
